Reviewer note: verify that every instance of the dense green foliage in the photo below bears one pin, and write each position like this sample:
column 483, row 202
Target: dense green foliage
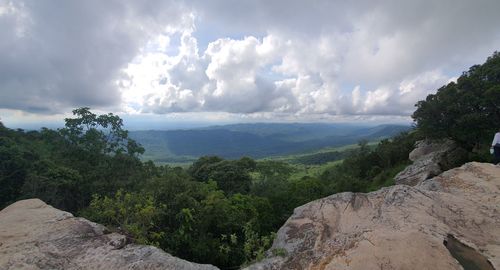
column 322, row 157
column 467, row 111
column 367, row 170
column 217, row 211
column 91, row 155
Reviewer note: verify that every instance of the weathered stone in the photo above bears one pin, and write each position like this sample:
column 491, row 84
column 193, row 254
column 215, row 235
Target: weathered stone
column 34, row 235
column 425, row 147
column 419, row 171
column 399, row 227
column 430, row 158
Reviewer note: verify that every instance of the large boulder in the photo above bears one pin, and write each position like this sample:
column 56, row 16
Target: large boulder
column 34, row 235
column 399, row 227
column 430, row 158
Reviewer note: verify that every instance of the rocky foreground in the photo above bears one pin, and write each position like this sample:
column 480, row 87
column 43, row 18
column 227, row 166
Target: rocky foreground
column 34, row 235
column 399, row 227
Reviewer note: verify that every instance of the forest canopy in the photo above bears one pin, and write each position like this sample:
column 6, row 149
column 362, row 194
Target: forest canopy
column 468, row 110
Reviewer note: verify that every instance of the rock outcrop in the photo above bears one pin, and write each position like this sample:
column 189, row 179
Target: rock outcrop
column 430, row 158
column 34, row 235
column 399, row 227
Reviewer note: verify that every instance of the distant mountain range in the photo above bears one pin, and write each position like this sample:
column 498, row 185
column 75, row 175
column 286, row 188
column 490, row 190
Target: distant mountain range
column 254, row 140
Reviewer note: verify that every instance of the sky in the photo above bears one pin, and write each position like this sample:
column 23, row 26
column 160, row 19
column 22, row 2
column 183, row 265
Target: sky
column 163, row 64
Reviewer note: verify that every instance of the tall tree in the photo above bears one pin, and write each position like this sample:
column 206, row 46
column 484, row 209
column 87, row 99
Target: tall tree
column 99, row 133
column 467, row 111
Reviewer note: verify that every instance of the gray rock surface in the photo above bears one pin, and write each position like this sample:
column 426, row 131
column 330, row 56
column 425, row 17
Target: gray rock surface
column 399, row 227
column 430, row 158
column 34, row 235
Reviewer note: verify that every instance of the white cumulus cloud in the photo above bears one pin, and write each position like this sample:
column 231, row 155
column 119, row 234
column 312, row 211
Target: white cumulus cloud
column 283, row 59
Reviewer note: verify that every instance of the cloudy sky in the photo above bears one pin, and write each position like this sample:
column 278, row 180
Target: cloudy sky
column 161, row 62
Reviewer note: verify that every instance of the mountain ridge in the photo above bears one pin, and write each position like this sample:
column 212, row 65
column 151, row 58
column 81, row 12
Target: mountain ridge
column 256, row 140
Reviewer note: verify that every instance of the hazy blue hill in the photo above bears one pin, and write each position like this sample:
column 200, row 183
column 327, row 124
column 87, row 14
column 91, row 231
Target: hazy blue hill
column 226, row 143
column 254, row 140
column 383, row 130
column 292, row 131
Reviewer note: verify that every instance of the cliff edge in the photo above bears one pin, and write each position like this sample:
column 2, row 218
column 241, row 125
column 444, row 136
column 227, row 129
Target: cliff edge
column 34, row 235
column 399, row 227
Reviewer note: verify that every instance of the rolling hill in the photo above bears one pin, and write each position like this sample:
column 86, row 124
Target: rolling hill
column 256, row 140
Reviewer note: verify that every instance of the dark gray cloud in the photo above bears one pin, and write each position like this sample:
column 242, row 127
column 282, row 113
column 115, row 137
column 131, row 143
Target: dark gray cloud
column 60, row 54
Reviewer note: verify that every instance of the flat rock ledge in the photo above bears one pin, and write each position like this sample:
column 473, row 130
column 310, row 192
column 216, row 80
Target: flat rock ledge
column 34, row 235
column 399, row 227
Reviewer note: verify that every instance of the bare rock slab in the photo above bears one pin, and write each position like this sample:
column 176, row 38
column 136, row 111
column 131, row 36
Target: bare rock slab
column 399, row 227
column 34, row 235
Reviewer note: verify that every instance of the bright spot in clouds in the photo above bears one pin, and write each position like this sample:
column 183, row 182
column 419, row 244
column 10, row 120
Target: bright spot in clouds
column 252, row 61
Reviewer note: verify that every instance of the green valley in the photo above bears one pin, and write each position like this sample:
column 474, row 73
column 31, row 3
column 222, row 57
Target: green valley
column 258, row 140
